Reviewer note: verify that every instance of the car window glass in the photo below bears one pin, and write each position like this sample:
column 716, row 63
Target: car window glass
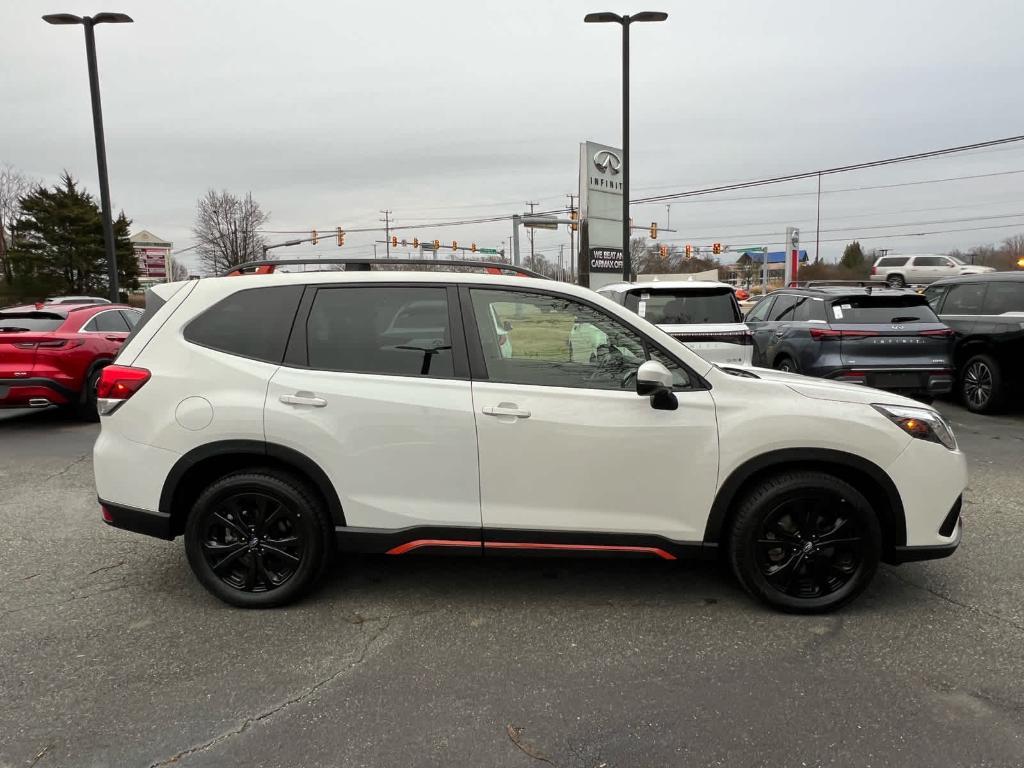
column 760, row 310
column 253, row 322
column 31, row 321
column 783, row 309
column 883, row 309
column 549, row 340
column 802, row 309
column 893, row 261
column 386, row 330
column 682, row 306
column 934, row 296
column 929, row 261
column 108, row 322
column 964, row 299
column 1004, row 296
column 131, row 317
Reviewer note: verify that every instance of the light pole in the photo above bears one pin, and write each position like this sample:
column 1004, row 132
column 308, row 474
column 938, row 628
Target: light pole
column 88, row 22
column 625, row 20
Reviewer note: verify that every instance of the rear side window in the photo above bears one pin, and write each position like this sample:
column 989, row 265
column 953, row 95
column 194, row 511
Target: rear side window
column 893, row 261
column 30, row 321
column 110, row 321
column 964, row 299
column 932, row 261
column 808, row 308
column 252, row 323
column 760, row 310
column 1004, row 296
column 386, row 330
column 882, row 310
column 783, row 309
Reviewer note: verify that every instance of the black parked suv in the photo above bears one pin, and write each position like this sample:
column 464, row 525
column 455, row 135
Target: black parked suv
column 884, row 338
column 986, row 312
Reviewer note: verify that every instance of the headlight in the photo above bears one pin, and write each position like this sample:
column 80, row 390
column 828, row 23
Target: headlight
column 922, row 423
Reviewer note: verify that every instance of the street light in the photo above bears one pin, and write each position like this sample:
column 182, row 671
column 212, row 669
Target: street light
column 88, row 22
column 625, row 20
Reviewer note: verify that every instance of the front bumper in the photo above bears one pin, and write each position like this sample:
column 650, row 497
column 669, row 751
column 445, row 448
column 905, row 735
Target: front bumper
column 143, row 521
column 930, row 552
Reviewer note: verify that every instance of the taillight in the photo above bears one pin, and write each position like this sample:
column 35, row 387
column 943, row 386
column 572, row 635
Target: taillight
column 55, row 344
column 874, row 270
column 821, row 334
column 117, row 384
column 940, row 332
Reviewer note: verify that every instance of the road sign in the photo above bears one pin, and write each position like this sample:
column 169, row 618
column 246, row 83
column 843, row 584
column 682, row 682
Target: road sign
column 540, row 222
column 493, row 251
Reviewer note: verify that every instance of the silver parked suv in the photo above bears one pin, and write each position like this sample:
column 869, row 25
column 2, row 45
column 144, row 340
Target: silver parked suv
column 919, row 269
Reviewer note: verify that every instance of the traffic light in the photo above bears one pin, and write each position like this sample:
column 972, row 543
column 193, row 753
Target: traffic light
column 437, row 244
column 689, row 251
column 341, row 237
column 313, row 237
column 574, row 216
column 716, row 248
column 654, row 230
column 472, row 247
column 455, row 244
column 394, row 241
column 663, row 250
column 415, row 242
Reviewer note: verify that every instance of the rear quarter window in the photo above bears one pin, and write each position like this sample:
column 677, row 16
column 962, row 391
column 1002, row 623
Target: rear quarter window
column 253, row 323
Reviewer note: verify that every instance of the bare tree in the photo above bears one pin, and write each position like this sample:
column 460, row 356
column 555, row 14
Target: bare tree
column 226, row 228
column 14, row 185
column 178, row 270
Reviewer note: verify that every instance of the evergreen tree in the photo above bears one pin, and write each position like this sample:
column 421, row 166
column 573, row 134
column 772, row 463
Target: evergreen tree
column 853, row 257
column 59, row 244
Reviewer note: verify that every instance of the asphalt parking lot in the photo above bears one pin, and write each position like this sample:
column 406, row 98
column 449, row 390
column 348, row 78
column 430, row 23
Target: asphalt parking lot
column 112, row 655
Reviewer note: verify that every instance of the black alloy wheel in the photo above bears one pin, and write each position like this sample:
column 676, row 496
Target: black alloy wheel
column 895, row 281
column 805, row 542
column 980, row 384
column 257, row 539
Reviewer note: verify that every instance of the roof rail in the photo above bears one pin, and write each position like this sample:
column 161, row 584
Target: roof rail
column 264, row 267
column 837, row 283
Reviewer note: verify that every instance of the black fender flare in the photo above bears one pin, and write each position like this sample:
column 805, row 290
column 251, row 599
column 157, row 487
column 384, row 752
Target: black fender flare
column 280, row 453
column 807, row 458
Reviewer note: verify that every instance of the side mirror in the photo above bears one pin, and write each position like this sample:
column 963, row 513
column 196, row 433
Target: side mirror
column 654, row 380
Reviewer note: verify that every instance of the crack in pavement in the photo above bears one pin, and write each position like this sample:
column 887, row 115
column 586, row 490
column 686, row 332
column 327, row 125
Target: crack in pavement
column 250, row 721
column 69, row 600
column 79, row 460
column 950, row 600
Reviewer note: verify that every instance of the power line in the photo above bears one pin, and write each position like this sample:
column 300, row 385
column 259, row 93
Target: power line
column 827, row 171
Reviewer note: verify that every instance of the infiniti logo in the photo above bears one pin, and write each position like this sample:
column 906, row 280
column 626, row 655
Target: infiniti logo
column 607, row 161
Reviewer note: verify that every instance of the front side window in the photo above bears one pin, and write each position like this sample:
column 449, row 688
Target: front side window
column 684, row 305
column 1004, row 296
column 964, row 299
column 385, row 330
column 934, row 296
column 548, row 340
column 783, row 309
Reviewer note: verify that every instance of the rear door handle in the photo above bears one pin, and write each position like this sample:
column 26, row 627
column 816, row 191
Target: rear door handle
column 303, row 398
column 505, row 409
column 118, row 339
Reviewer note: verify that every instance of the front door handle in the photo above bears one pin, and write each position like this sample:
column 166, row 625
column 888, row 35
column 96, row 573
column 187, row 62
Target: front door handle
column 303, row 398
column 506, row 409
column 118, row 339
column 779, row 333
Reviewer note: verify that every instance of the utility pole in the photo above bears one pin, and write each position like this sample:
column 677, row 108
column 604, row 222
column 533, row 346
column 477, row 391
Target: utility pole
column 668, row 216
column 561, row 274
column 387, row 233
column 530, row 234
column 516, row 218
column 817, row 226
column 572, row 236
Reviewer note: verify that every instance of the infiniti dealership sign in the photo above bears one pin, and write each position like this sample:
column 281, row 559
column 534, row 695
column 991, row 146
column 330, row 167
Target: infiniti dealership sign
column 601, row 169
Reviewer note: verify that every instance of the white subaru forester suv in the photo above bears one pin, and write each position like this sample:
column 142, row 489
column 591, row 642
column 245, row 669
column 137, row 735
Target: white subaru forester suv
column 277, row 420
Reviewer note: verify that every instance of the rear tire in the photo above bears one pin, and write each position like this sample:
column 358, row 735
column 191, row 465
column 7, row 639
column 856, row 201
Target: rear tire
column 805, row 542
column 258, row 538
column 85, row 409
column 981, row 384
column 895, row 281
column 786, row 364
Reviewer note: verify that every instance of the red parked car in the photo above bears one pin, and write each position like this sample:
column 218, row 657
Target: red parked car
column 51, row 354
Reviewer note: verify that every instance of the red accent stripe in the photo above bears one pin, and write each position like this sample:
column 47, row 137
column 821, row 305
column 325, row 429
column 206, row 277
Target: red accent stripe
column 401, row 549
column 580, row 548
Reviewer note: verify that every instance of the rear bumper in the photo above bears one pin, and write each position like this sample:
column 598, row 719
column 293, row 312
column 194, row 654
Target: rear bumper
column 157, row 524
column 20, row 393
column 930, row 381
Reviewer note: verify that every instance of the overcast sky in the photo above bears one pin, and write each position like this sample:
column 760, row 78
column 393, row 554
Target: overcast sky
column 329, row 111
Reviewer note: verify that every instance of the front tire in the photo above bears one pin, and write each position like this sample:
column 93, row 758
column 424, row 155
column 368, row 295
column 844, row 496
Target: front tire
column 257, row 538
column 895, row 281
column 805, row 542
column 981, row 384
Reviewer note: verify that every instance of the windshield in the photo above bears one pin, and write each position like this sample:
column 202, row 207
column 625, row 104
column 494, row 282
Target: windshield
column 684, row 305
column 882, row 309
column 958, row 261
column 30, row 321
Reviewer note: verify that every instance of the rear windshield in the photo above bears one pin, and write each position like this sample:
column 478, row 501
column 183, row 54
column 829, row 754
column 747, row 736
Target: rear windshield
column 686, row 305
column 882, row 309
column 29, row 321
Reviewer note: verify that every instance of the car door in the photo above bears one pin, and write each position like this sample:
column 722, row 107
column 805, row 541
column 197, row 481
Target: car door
column 566, row 445
column 375, row 389
column 109, row 330
column 756, row 320
column 772, row 330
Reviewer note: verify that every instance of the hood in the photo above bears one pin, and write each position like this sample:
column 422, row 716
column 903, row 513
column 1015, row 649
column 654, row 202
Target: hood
column 825, row 389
